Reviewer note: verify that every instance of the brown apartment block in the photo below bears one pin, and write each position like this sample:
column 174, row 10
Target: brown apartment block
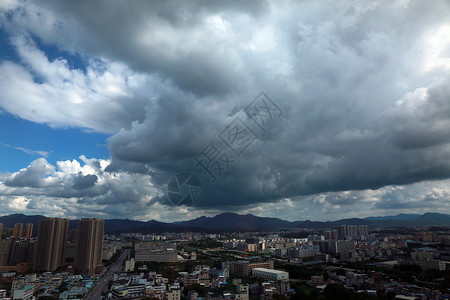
column 244, row 267
column 28, row 230
column 89, row 249
column 17, row 233
column 1, row 230
column 4, row 252
column 50, row 252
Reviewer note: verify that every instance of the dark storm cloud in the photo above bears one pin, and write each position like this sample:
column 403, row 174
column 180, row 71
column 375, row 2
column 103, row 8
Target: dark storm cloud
column 158, row 37
column 349, row 127
column 426, row 124
column 363, row 85
column 81, row 182
column 306, row 156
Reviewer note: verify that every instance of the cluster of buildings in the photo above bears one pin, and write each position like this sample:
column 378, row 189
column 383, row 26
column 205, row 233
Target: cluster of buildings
column 16, row 252
column 426, row 258
column 374, row 283
column 139, row 285
column 180, row 236
column 154, row 285
column 80, row 251
column 49, row 284
column 342, row 240
column 416, row 249
column 347, row 243
column 247, row 261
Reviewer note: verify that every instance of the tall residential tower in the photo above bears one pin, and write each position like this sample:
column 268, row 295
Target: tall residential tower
column 28, row 230
column 17, row 233
column 51, row 244
column 89, row 249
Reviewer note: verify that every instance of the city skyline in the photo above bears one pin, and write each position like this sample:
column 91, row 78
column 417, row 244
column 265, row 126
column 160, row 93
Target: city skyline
column 228, row 222
column 339, row 261
column 135, row 112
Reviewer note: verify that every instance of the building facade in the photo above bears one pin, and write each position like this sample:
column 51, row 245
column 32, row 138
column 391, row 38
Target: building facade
column 244, row 268
column 28, row 230
column 89, row 249
column 5, row 246
column 167, row 255
column 50, row 251
column 17, row 233
column 269, row 274
column 22, row 251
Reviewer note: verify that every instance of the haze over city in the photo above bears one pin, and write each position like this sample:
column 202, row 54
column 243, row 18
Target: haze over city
column 344, row 105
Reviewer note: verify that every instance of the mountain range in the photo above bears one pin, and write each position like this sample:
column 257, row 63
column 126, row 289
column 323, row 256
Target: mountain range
column 232, row 222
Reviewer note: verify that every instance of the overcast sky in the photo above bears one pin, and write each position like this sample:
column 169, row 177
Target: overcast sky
column 102, row 103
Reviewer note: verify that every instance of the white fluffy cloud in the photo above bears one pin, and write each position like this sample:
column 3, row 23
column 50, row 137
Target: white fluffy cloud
column 103, row 98
column 45, row 189
column 77, row 189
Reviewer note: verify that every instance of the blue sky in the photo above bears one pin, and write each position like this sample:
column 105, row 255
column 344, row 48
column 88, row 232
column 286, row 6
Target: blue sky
column 98, row 111
column 59, row 144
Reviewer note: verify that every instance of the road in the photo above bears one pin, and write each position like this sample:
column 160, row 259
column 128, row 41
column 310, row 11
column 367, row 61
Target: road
column 102, row 283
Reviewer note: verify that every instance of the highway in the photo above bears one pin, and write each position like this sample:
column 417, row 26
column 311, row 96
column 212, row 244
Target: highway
column 102, row 283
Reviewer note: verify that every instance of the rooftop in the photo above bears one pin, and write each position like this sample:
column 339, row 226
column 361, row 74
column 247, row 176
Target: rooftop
column 270, row 271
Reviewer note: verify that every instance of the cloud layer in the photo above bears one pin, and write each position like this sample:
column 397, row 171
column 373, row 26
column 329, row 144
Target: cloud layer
column 364, row 87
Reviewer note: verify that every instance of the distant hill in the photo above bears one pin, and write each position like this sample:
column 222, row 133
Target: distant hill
column 316, row 224
column 10, row 220
column 236, row 222
column 434, row 218
column 403, row 217
column 410, row 220
column 230, row 222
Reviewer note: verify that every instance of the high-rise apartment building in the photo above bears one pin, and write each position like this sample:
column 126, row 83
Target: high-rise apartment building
column 347, row 232
column 50, row 251
column 89, row 248
column 363, row 230
column 28, row 230
column 352, row 231
column 331, row 234
column 4, row 252
column 17, row 233
column 21, row 251
column 1, row 230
